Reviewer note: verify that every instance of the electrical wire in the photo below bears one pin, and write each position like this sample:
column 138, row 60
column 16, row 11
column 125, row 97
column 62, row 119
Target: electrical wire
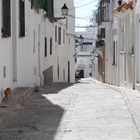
column 79, row 6
column 85, row 26
column 85, row 4
column 77, row 1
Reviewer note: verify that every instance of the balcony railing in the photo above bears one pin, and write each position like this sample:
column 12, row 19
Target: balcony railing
column 100, row 43
column 103, row 12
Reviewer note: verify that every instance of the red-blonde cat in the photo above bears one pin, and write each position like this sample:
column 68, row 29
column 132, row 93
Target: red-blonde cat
column 8, row 94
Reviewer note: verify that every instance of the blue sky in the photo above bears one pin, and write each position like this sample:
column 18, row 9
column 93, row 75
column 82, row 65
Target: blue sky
column 84, row 12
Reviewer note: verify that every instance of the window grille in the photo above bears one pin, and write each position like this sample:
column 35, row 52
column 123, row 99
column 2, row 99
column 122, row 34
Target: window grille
column 103, row 12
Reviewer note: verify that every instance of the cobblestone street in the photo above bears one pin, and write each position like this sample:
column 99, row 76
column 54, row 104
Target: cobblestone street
column 87, row 110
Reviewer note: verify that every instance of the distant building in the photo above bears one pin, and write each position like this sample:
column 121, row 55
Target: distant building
column 84, row 49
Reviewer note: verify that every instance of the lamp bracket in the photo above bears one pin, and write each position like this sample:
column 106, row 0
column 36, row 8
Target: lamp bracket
column 58, row 18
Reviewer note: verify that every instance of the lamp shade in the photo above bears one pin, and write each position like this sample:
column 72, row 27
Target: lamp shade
column 64, row 10
column 81, row 39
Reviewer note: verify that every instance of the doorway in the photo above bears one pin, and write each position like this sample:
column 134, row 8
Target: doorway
column 68, row 71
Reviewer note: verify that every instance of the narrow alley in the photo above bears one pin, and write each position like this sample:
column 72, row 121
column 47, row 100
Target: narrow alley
column 87, row 110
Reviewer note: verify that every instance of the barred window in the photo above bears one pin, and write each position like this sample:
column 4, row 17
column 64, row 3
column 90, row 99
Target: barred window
column 21, row 18
column 6, row 22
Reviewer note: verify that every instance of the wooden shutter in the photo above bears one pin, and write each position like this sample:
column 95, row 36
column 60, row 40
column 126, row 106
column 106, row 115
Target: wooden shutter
column 21, row 18
column 6, row 27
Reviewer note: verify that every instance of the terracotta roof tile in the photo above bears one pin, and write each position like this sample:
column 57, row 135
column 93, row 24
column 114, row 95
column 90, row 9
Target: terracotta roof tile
column 124, row 6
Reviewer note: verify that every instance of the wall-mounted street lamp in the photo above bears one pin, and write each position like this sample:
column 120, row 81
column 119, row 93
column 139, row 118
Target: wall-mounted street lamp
column 64, row 11
column 81, row 41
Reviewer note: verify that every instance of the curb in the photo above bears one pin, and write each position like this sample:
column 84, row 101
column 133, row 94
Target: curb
column 126, row 101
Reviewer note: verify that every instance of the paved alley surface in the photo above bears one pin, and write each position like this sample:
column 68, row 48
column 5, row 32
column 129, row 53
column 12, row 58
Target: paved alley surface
column 83, row 111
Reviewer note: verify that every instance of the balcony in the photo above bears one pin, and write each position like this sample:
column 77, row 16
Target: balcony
column 103, row 12
column 100, row 43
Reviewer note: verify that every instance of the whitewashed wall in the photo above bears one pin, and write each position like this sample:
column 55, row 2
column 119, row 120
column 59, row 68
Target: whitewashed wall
column 86, row 62
column 24, row 58
column 5, row 60
column 64, row 52
column 137, row 45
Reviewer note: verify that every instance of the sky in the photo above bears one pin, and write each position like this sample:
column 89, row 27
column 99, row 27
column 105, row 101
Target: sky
column 84, row 10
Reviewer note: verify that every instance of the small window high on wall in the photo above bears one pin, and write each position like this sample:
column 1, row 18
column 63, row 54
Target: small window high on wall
column 59, row 35
column 6, row 18
column 45, row 49
column 114, row 53
column 50, row 46
column 55, row 33
column 21, row 18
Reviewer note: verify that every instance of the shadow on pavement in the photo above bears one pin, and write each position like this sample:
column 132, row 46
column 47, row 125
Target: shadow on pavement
column 56, row 87
column 39, row 119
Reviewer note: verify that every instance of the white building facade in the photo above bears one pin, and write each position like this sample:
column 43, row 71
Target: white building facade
column 137, row 44
column 121, row 42
column 84, row 65
column 125, row 14
column 35, row 47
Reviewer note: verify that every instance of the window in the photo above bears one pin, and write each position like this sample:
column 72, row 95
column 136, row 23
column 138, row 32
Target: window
column 102, row 32
column 34, row 70
column 34, row 41
column 45, row 49
column 58, row 71
column 6, row 22
column 49, row 8
column 59, row 35
column 50, row 46
column 4, row 72
column 64, row 74
column 55, row 33
column 32, row 4
column 63, row 35
column 21, row 18
column 66, row 23
column 114, row 53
